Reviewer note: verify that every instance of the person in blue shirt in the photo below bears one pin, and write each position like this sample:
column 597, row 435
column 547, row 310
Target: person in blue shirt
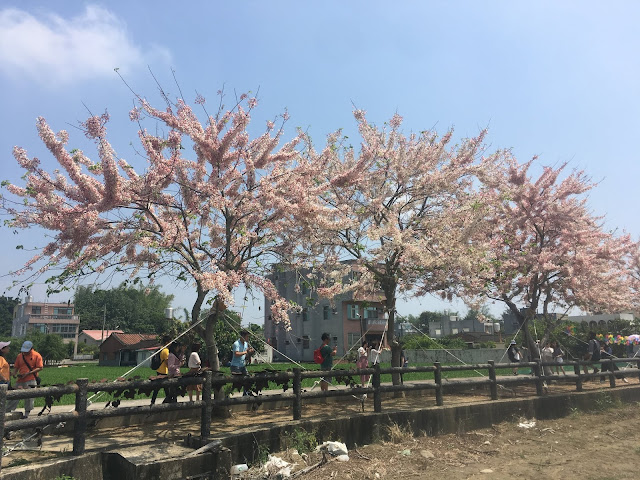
column 240, row 351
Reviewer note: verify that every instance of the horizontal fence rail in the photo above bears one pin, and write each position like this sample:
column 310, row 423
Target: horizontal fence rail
column 216, row 383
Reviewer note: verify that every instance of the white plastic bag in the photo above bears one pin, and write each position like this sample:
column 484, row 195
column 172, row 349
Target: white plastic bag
column 334, row 448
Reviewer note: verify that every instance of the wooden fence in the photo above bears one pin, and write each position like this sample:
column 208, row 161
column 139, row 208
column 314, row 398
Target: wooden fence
column 81, row 416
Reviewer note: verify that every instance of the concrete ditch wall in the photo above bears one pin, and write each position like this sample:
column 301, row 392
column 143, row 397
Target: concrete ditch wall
column 360, row 430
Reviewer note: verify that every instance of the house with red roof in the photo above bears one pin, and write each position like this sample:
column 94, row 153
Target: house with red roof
column 95, row 337
column 127, row 349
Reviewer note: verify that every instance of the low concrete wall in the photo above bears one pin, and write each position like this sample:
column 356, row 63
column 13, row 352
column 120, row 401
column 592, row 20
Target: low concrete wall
column 469, row 356
column 359, row 429
column 88, row 466
column 372, row 427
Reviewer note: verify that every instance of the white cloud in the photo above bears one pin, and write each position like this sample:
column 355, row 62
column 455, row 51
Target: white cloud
column 53, row 49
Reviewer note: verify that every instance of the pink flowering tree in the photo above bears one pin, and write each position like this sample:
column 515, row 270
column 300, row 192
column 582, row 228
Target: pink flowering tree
column 545, row 252
column 209, row 206
column 403, row 227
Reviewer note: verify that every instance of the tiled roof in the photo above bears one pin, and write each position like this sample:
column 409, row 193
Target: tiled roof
column 131, row 339
column 97, row 334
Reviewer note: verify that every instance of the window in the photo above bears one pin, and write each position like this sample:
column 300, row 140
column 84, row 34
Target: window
column 39, row 327
column 370, row 312
column 454, row 331
column 353, row 338
column 325, row 312
column 62, row 311
column 36, row 310
column 305, row 314
column 352, row 311
column 305, row 341
column 437, row 332
column 466, row 329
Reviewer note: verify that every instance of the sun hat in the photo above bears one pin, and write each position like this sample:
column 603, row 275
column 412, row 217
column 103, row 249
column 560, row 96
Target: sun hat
column 4, row 344
column 26, row 346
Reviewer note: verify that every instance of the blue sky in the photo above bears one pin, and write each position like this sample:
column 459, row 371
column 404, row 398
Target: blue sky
column 558, row 79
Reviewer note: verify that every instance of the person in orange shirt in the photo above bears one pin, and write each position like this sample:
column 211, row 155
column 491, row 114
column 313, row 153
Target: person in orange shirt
column 26, row 367
column 5, row 368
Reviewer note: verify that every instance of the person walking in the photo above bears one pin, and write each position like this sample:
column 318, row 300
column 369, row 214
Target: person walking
column 327, row 359
column 241, row 351
column 163, row 369
column 26, row 368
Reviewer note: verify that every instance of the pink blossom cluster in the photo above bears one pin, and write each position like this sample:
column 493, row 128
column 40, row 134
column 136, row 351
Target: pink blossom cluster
column 401, row 214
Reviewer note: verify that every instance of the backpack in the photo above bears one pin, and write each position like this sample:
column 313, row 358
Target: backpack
column 317, row 355
column 155, row 361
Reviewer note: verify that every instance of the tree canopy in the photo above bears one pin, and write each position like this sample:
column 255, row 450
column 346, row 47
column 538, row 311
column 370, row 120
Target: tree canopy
column 545, row 252
column 212, row 220
column 6, row 314
column 130, row 309
column 403, row 226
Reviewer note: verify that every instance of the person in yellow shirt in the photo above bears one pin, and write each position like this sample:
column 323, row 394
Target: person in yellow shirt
column 5, row 368
column 163, row 369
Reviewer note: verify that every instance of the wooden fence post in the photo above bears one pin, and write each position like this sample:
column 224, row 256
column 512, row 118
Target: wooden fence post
column 492, row 378
column 3, row 407
column 537, row 368
column 612, row 377
column 377, row 396
column 297, row 393
column 437, row 376
column 576, row 370
column 80, row 427
column 205, row 416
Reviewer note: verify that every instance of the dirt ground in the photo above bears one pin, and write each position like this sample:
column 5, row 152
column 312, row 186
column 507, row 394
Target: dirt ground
column 591, row 446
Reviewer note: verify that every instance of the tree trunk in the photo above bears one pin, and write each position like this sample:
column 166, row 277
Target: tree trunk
column 389, row 288
column 212, row 347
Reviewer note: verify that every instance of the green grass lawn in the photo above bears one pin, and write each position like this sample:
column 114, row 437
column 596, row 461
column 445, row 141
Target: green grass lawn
column 95, row 373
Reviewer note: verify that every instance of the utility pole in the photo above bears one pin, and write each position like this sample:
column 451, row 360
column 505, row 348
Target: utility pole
column 104, row 319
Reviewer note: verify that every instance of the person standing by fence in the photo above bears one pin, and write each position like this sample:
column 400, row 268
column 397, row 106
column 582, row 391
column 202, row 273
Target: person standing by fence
column 514, row 355
column 5, row 368
column 163, row 369
column 241, row 351
column 593, row 352
column 558, row 356
column 26, row 367
column 195, row 365
column 327, row 359
column 363, row 361
column 174, row 362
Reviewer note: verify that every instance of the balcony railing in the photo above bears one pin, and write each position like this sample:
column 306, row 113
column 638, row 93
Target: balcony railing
column 41, row 318
column 376, row 322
